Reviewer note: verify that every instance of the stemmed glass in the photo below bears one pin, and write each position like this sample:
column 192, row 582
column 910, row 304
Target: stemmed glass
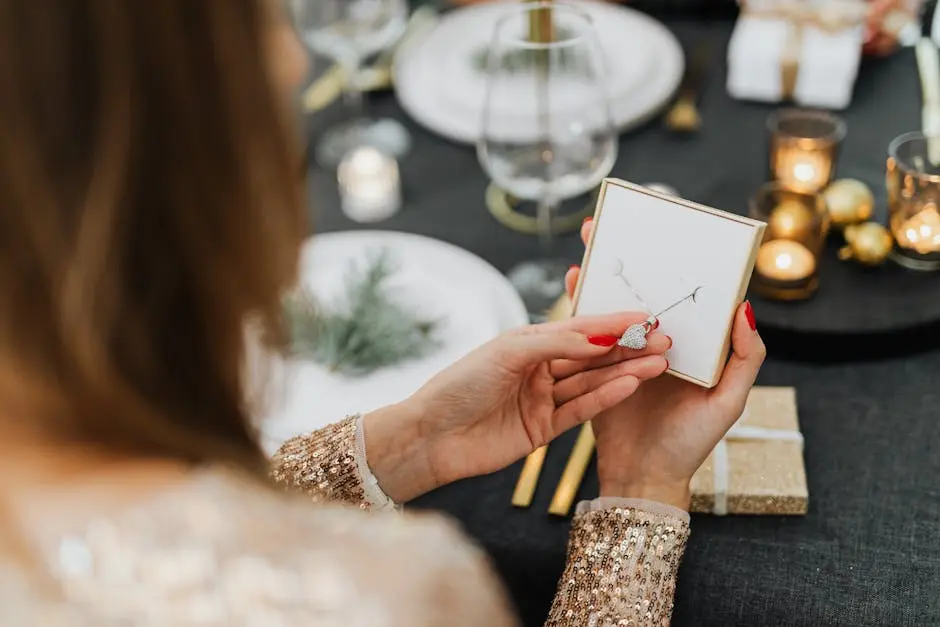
column 547, row 133
column 348, row 31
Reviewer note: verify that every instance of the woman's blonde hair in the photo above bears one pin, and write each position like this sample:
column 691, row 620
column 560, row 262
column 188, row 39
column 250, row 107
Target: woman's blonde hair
column 150, row 204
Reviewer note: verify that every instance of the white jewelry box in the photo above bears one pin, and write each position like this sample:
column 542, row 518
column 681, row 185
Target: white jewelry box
column 649, row 250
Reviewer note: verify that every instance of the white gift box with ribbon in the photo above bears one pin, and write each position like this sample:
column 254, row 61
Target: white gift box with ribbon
column 807, row 51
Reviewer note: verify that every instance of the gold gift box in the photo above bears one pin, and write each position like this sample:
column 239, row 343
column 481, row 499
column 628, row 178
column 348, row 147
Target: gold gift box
column 764, row 477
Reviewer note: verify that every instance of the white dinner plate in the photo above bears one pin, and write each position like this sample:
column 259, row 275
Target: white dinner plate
column 471, row 298
column 438, row 85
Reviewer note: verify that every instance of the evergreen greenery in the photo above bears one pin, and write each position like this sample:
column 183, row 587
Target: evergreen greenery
column 366, row 332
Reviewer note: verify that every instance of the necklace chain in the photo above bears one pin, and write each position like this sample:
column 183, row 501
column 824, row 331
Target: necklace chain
column 649, row 309
column 633, row 289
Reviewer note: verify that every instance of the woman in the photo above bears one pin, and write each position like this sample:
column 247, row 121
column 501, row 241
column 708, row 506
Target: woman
column 149, row 213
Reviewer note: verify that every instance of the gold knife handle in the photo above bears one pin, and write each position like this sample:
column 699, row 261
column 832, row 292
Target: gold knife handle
column 573, row 475
column 529, row 477
column 323, row 91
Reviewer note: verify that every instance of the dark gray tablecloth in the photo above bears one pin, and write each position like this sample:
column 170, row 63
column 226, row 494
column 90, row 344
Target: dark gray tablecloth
column 868, row 553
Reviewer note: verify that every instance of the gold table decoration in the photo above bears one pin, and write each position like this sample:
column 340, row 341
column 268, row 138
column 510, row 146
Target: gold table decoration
column 849, row 202
column 804, row 146
column 758, row 467
column 868, row 243
column 788, row 259
column 913, row 184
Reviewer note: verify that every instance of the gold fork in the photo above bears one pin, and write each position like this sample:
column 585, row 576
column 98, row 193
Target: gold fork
column 532, row 468
column 684, row 116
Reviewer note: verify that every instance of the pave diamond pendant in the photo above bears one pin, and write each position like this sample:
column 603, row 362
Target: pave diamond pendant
column 635, row 336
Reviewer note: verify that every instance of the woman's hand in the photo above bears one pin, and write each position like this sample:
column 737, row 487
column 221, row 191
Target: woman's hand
column 506, row 399
column 886, row 18
column 651, row 444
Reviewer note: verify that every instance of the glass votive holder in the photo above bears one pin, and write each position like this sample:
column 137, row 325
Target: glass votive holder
column 804, row 146
column 369, row 185
column 913, row 185
column 787, row 265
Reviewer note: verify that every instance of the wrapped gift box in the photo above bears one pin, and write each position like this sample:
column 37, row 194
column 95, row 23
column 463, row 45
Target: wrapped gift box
column 807, row 51
column 758, row 467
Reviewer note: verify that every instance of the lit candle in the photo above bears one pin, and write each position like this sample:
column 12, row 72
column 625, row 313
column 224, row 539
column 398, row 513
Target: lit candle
column 369, row 185
column 785, row 260
column 790, row 219
column 799, row 169
column 803, row 148
column 921, row 232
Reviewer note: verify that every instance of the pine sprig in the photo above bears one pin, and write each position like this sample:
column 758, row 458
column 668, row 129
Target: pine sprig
column 369, row 331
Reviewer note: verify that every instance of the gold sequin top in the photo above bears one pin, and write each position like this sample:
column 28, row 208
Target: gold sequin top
column 223, row 551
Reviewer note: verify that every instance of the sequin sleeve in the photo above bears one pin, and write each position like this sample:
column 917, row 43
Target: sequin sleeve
column 329, row 465
column 623, row 558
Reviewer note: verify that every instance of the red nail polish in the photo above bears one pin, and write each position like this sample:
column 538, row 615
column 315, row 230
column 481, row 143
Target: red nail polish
column 587, row 220
column 749, row 314
column 603, row 340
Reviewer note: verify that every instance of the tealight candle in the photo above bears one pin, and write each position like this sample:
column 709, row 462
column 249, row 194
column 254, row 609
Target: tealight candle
column 803, row 148
column 920, row 232
column 369, row 185
column 913, row 185
column 791, row 219
column 785, row 260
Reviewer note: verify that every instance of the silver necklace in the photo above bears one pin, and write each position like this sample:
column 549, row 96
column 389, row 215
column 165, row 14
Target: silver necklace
column 635, row 335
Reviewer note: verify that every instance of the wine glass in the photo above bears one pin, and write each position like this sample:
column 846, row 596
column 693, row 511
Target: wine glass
column 546, row 133
column 348, row 31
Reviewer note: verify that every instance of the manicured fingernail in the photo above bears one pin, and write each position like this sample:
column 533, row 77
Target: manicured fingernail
column 572, row 267
column 587, row 220
column 749, row 313
column 603, row 340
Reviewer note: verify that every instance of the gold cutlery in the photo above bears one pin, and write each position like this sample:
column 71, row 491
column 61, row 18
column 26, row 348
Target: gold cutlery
column 329, row 87
column 529, row 477
column 574, row 472
column 532, row 468
column 684, row 116
column 578, row 461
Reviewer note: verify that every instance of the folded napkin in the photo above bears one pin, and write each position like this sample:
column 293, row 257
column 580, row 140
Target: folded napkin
column 801, row 50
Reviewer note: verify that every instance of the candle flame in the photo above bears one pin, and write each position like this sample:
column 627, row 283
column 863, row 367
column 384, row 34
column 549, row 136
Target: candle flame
column 921, row 232
column 804, row 172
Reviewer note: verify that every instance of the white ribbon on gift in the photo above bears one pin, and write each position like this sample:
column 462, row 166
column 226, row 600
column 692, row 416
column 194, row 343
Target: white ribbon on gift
column 741, row 433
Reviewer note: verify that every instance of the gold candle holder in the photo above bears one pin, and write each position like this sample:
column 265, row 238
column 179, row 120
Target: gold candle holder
column 803, row 148
column 913, row 186
column 541, row 24
column 787, row 266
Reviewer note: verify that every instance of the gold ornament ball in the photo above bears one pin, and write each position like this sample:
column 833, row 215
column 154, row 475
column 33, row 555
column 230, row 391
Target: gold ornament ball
column 849, row 202
column 790, row 219
column 869, row 243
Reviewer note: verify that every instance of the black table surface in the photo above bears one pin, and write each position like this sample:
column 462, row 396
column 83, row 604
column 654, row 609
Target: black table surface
column 868, row 552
